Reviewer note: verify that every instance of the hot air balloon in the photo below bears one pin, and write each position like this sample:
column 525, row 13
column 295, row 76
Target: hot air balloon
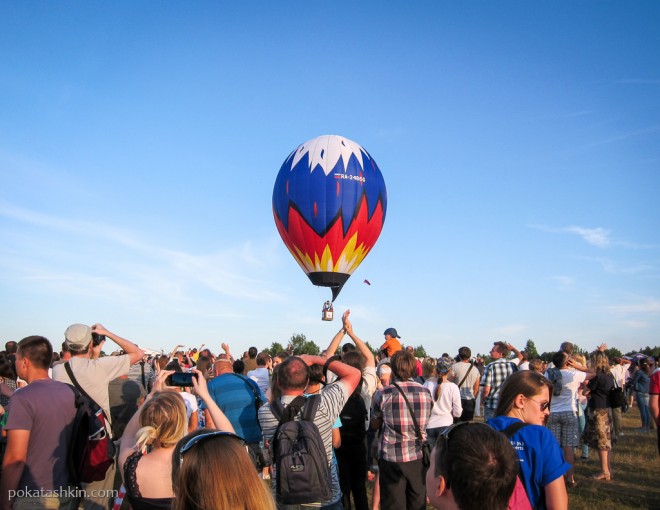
column 329, row 203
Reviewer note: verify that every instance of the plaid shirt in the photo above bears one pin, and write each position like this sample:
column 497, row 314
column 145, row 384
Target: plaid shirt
column 494, row 375
column 398, row 439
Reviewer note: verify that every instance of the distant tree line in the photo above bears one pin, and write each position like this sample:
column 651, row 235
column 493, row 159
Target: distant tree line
column 298, row 344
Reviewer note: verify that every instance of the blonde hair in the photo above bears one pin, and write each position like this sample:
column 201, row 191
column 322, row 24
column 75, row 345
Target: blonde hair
column 579, row 358
column 600, row 362
column 163, row 420
column 428, row 367
column 217, row 475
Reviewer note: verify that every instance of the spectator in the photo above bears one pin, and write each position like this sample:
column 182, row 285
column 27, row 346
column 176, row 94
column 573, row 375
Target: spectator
column 525, row 399
column 238, row 397
column 582, row 407
column 640, row 384
column 524, row 363
column 353, row 456
column 142, row 373
column 212, row 470
column 391, row 344
column 428, row 371
column 250, row 363
column 280, row 357
column 618, row 371
column 39, row 430
column 563, row 421
column 125, row 396
column 293, row 378
column 192, row 409
column 418, row 365
column 537, row 366
column 466, row 376
column 400, row 457
column 472, row 467
column 238, row 367
column 598, row 430
column 261, row 374
column 447, row 405
column 94, row 374
column 495, row 374
column 654, row 392
column 156, row 428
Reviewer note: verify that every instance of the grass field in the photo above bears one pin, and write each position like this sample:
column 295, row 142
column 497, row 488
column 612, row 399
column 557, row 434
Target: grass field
column 635, row 468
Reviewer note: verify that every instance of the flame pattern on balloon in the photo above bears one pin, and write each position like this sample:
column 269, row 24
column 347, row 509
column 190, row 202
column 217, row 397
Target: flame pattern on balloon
column 329, row 204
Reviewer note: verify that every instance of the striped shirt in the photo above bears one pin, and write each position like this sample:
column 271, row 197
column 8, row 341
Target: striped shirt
column 333, row 398
column 398, row 438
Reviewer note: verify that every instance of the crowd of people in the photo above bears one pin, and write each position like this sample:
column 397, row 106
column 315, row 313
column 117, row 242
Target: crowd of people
column 288, row 431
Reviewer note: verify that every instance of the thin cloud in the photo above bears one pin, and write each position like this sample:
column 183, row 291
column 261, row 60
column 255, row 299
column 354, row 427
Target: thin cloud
column 636, row 324
column 650, row 306
column 609, row 266
column 135, row 269
column 564, row 282
column 595, row 236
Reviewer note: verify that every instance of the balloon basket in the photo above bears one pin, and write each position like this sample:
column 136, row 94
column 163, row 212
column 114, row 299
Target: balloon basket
column 327, row 313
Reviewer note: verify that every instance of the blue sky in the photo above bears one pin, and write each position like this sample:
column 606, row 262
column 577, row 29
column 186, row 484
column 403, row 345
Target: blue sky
column 519, row 141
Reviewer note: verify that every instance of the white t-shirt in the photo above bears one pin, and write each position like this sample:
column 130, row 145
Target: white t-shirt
column 570, row 382
column 261, row 376
column 190, row 401
column 619, row 373
column 447, row 407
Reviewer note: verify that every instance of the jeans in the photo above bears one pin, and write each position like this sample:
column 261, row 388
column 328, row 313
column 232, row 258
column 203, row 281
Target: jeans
column 582, row 420
column 433, row 434
column 489, row 413
column 643, row 404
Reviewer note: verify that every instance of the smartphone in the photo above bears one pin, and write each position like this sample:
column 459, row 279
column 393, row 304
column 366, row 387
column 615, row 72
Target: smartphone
column 181, row 379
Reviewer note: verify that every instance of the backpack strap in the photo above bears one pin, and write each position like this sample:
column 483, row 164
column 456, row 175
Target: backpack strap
column 465, row 376
column 69, row 371
column 310, row 408
column 253, row 387
column 283, row 414
column 513, row 428
column 418, row 430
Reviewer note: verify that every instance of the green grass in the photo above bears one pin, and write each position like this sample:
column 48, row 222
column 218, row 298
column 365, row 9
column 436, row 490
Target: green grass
column 635, row 468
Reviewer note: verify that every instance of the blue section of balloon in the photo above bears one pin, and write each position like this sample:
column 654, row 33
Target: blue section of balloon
column 307, row 188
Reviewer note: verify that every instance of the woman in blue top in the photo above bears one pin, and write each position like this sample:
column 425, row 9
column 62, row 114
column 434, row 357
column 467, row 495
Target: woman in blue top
column 525, row 397
column 640, row 383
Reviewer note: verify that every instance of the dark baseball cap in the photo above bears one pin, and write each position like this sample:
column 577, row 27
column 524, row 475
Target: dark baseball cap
column 392, row 332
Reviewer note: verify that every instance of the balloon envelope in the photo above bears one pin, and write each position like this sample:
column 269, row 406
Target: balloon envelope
column 329, row 203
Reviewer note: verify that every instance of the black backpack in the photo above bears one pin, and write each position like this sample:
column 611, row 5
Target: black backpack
column 353, row 419
column 92, row 451
column 302, row 470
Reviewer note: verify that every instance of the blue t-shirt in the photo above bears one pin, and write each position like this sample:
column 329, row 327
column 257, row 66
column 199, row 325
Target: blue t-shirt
column 234, row 396
column 541, row 458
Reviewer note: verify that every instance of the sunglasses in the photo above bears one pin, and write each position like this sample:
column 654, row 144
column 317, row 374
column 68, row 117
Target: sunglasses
column 445, row 435
column 544, row 405
column 203, row 437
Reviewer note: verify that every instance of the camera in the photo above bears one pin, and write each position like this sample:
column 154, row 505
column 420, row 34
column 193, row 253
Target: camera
column 180, row 379
column 97, row 339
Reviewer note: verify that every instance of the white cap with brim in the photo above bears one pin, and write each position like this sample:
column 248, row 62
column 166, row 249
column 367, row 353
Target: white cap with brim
column 77, row 337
